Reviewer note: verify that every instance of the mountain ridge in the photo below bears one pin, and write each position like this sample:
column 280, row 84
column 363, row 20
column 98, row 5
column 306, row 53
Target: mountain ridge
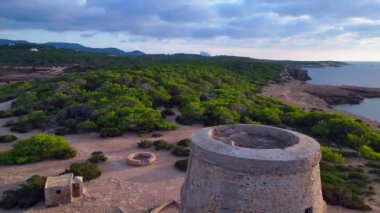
column 78, row 47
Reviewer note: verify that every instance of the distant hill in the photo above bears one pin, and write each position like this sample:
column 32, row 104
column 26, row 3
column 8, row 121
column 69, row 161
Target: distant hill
column 8, row 42
column 203, row 53
column 79, row 47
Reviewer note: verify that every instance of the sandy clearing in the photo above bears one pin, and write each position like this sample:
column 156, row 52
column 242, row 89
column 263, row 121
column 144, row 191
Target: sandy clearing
column 133, row 189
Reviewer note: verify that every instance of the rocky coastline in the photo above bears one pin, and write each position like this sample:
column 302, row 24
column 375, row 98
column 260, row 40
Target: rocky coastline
column 291, row 88
column 333, row 95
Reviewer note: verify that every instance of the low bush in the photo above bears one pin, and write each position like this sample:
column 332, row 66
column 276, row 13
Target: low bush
column 97, row 157
column 373, row 165
column 368, row 153
column 181, row 164
column 329, row 155
column 156, row 135
column 5, row 114
column 21, row 128
column 61, row 131
column 142, row 134
column 86, row 170
column 167, row 112
column 28, row 194
column 7, row 138
column 110, row 132
column 184, row 142
column 37, row 148
column 345, row 186
column 181, row 151
column 162, row 144
column 86, row 126
column 170, row 147
column 145, row 144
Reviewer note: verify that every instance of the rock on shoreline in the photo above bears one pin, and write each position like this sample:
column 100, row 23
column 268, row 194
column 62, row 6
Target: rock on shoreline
column 332, row 95
column 335, row 95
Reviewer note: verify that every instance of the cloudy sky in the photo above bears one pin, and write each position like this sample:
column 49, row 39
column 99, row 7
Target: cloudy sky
column 273, row 29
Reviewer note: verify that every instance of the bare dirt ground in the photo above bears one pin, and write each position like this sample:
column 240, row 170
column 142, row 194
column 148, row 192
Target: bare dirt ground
column 294, row 93
column 132, row 189
column 16, row 74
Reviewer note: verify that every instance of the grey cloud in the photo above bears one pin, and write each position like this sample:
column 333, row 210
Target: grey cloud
column 191, row 19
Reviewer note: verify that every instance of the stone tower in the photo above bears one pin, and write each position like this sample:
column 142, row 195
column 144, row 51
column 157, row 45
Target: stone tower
column 252, row 168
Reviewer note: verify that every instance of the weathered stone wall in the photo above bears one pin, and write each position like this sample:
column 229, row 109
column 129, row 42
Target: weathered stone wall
column 223, row 178
column 52, row 198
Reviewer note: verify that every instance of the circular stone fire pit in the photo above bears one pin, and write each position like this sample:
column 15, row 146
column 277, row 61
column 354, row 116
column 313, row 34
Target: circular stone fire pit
column 141, row 158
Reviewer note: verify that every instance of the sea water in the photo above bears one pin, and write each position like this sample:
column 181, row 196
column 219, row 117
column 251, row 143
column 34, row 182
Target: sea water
column 365, row 74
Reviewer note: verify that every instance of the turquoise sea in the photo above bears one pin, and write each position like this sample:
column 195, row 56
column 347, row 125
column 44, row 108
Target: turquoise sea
column 366, row 74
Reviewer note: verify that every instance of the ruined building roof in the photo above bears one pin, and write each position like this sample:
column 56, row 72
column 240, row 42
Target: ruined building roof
column 62, row 180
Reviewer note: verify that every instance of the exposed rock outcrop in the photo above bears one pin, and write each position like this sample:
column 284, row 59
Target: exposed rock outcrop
column 298, row 73
column 292, row 73
column 335, row 95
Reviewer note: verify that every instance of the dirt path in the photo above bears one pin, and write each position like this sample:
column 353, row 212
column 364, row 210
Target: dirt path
column 133, row 189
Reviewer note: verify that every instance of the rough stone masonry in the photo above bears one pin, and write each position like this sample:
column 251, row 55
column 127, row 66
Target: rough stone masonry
column 252, row 168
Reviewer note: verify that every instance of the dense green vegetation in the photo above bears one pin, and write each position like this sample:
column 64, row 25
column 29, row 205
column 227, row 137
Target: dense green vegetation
column 345, row 186
column 37, row 148
column 86, row 170
column 28, row 194
column 7, row 138
column 120, row 94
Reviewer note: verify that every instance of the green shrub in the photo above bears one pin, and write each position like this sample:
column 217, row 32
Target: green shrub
column 329, row 155
column 145, row 144
column 7, row 138
column 184, row 142
column 37, row 148
column 5, row 114
column 181, row 151
column 170, row 147
column 28, row 194
column 368, row 153
column 142, row 134
column 181, row 164
column 61, row 131
column 167, row 112
column 343, row 196
column 162, row 144
column 345, row 186
column 86, row 126
column 97, row 157
column 21, row 128
column 156, row 135
column 86, row 170
column 109, row 132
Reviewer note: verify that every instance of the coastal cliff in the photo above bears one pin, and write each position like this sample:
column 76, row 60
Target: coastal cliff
column 292, row 73
column 332, row 95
